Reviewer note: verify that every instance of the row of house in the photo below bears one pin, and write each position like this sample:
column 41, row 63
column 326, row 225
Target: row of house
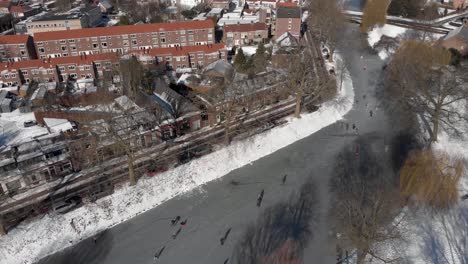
column 94, row 66
column 104, row 40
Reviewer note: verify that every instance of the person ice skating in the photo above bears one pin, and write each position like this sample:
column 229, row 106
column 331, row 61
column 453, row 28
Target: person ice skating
column 223, row 239
column 260, row 198
column 174, row 236
column 175, row 220
column 371, row 113
column 226, row 261
column 158, row 253
column 354, row 126
column 284, row 179
column 183, row 223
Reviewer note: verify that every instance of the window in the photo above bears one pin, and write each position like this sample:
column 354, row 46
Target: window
column 6, row 76
column 25, row 73
column 13, row 75
column 63, row 41
column 162, row 34
column 13, row 186
column 61, row 68
column 81, row 68
column 183, row 38
column 182, row 32
column 104, row 44
column 73, row 47
column 98, row 64
column 155, row 41
column 33, row 178
column 102, row 38
column 133, row 35
column 200, row 55
column 71, row 67
column 64, row 48
column 40, row 43
column 289, row 27
column 108, row 63
column 34, row 72
column 94, row 38
column 289, row 20
column 177, row 58
column 190, row 31
column 95, row 45
column 64, row 54
column 125, row 36
column 87, row 67
column 168, row 58
column 21, row 45
column 134, row 42
column 163, row 40
column 41, row 50
column 71, row 41
column 23, row 52
column 73, row 75
column 190, row 37
column 125, row 43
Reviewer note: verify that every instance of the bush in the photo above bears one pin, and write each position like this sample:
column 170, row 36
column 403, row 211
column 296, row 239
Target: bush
column 406, row 8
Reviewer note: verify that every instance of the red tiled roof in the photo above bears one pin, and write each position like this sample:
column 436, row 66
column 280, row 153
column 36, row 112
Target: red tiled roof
column 181, row 51
column 51, row 63
column 120, row 30
column 245, row 27
column 20, row 9
column 286, row 4
column 14, row 39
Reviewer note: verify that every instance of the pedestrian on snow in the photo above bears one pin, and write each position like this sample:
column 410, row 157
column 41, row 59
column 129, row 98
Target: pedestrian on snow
column 183, row 223
column 284, row 179
column 226, row 261
column 371, row 113
column 354, row 126
column 158, row 253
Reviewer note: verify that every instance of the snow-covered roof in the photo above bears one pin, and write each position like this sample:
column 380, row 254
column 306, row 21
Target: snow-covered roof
column 460, row 32
column 125, row 103
column 58, row 124
column 286, row 40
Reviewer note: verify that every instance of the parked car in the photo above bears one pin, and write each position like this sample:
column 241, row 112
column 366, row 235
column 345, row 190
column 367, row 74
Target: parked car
column 66, row 206
column 29, row 123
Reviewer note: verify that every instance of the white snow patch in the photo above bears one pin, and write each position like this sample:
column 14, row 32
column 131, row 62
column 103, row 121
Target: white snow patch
column 13, row 130
column 249, row 50
column 376, row 34
column 31, row 241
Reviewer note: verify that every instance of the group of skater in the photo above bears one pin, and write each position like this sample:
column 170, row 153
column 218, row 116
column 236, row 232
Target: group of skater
column 177, row 221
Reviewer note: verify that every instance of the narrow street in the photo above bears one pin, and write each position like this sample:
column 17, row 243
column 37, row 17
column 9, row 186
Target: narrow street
column 220, row 205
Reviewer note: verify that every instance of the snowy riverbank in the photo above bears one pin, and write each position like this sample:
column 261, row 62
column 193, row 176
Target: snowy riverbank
column 33, row 240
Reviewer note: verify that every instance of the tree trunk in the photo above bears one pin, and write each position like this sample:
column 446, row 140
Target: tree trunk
column 297, row 112
column 2, row 228
column 361, row 256
column 131, row 170
column 227, row 126
column 435, row 128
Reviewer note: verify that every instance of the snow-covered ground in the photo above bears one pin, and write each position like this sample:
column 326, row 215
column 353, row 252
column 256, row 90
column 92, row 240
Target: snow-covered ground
column 33, row 240
column 13, row 130
column 376, row 34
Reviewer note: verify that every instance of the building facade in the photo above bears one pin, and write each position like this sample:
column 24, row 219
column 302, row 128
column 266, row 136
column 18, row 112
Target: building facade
column 123, row 39
column 17, row 48
column 245, row 34
column 288, row 19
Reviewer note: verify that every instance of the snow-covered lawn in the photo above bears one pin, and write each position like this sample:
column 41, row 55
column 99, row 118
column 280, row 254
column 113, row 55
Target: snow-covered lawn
column 13, row 130
column 33, row 240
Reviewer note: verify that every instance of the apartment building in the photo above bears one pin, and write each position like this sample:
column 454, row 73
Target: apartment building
column 57, row 69
column 16, row 48
column 288, row 19
column 184, row 57
column 123, row 39
column 245, row 34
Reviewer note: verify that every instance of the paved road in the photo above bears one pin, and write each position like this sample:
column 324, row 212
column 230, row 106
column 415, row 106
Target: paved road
column 220, row 205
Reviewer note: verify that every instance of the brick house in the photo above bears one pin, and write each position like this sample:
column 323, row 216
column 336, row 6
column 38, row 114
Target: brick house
column 123, row 38
column 17, row 48
column 188, row 57
column 57, row 69
column 288, row 19
column 245, row 34
column 457, row 39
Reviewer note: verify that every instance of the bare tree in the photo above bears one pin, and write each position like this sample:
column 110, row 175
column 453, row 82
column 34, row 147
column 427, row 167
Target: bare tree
column 366, row 201
column 281, row 232
column 445, row 237
column 328, row 21
column 132, row 75
column 420, row 80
